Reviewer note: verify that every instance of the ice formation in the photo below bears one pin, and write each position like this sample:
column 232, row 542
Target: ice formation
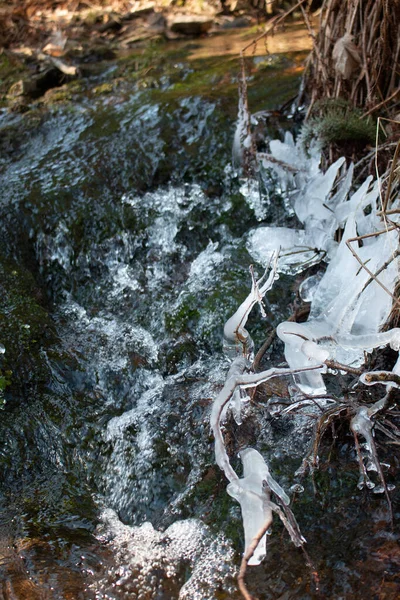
column 254, row 489
column 341, row 325
column 253, row 500
column 237, row 340
column 349, row 304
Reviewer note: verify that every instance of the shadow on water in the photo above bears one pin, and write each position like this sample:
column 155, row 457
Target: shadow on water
column 123, row 252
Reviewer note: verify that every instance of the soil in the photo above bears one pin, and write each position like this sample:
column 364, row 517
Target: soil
column 45, row 44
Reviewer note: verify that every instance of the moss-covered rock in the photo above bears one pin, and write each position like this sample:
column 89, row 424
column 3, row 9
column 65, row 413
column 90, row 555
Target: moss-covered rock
column 25, row 331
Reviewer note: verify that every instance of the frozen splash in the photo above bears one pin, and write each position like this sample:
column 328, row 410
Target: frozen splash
column 186, row 561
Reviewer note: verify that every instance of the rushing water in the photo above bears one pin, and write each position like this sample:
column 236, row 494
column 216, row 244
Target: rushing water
column 123, row 252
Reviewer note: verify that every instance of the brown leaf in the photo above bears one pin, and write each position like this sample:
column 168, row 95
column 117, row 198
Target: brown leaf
column 346, row 56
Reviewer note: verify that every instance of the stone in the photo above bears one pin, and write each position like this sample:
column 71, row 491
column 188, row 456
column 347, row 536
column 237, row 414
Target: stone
column 191, row 25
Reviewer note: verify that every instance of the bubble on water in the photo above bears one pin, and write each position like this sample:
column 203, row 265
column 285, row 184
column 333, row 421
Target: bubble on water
column 152, row 559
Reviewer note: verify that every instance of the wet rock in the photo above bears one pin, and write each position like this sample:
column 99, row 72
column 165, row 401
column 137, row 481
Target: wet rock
column 143, row 11
column 156, row 21
column 191, row 25
column 36, row 86
column 113, row 23
column 25, row 330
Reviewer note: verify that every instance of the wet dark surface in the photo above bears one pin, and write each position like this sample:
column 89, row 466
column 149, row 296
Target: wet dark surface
column 122, row 253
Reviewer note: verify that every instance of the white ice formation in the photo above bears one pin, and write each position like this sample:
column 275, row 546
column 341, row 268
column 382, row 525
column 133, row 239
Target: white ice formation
column 254, row 489
column 349, row 304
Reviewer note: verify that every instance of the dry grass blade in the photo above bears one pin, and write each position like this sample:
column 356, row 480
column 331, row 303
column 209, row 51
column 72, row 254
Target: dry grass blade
column 373, row 26
column 364, row 266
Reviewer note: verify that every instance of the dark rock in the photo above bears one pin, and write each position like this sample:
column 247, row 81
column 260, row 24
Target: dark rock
column 191, row 25
column 36, row 86
column 235, row 22
column 157, row 21
column 112, row 24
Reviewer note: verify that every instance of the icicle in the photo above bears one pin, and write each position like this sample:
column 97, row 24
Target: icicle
column 242, row 149
column 361, row 424
column 253, row 500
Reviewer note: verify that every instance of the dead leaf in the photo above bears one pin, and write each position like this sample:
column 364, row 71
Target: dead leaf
column 56, row 44
column 346, row 56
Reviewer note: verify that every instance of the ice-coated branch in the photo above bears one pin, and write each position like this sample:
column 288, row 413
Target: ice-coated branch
column 236, row 378
column 290, row 523
column 300, row 351
column 370, row 341
column 237, row 340
column 254, row 500
column 253, row 490
column 387, row 378
column 236, row 370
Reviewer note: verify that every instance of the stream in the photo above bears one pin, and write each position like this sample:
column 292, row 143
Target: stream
column 123, row 252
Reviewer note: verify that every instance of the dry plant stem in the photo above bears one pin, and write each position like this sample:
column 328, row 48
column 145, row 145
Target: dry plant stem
column 372, row 153
column 372, row 275
column 247, row 556
column 263, row 349
column 332, row 364
column 389, row 434
column 273, row 23
column 392, row 211
column 391, row 175
column 313, row 37
column 385, row 101
column 383, row 267
column 323, row 424
column 375, row 27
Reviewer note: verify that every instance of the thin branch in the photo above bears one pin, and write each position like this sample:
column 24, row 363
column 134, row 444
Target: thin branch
column 380, row 104
column 364, row 266
column 247, row 556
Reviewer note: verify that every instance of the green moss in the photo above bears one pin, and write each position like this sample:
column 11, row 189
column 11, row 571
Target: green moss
column 182, row 320
column 335, row 121
column 104, row 88
column 11, row 70
column 25, row 328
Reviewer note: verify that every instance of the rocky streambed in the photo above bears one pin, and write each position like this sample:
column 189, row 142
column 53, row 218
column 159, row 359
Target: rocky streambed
column 123, row 253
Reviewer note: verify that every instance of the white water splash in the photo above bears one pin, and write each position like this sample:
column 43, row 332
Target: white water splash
column 149, row 559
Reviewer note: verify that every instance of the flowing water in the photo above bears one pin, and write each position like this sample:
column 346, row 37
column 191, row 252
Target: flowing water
column 123, row 252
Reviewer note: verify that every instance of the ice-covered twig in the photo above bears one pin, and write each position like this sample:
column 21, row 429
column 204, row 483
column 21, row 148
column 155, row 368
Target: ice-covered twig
column 301, row 350
column 288, row 519
column 254, row 499
column 387, row 378
column 370, row 341
column 236, row 378
column 237, row 340
column 237, row 368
